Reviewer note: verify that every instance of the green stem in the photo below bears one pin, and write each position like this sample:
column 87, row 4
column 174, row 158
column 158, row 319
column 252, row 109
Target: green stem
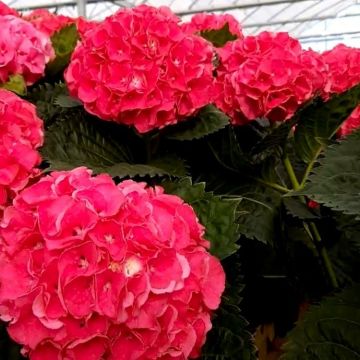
column 313, row 229
column 291, row 173
column 325, row 256
column 278, row 187
column 309, row 169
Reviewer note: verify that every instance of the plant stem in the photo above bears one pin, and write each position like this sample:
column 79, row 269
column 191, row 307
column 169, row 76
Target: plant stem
column 309, row 168
column 313, row 228
column 275, row 186
column 325, row 256
column 291, row 173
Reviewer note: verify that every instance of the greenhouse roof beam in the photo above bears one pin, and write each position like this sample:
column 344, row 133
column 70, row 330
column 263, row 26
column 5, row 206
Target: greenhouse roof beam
column 239, row 6
column 51, row 5
column 299, row 21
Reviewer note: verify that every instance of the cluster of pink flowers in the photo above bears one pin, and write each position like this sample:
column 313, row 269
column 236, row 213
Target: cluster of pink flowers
column 20, row 135
column 342, row 73
column 105, row 271
column 204, row 21
column 23, row 50
column 48, row 22
column 140, row 68
column 268, row 75
column 6, row 10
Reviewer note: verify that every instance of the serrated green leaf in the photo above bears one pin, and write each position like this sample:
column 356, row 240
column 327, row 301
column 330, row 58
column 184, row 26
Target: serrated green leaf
column 80, row 140
column 336, row 182
column 64, row 42
column 345, row 253
column 320, row 121
column 297, row 208
column 272, row 144
column 161, row 167
column 16, row 84
column 219, row 37
column 77, row 139
column 216, row 213
column 330, row 330
column 229, row 338
column 208, row 121
column 66, row 101
column 43, row 97
column 259, row 209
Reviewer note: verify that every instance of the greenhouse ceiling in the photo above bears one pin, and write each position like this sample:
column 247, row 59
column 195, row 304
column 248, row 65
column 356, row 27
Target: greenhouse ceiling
column 319, row 24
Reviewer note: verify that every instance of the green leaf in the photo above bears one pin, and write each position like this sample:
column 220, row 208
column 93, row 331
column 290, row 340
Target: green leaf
column 216, row 213
column 77, row 139
column 219, row 37
column 44, row 96
column 336, row 182
column 66, row 101
column 320, row 121
column 208, row 121
column 229, row 338
column 259, row 210
column 297, row 208
column 330, row 330
column 272, row 143
column 167, row 166
column 64, row 42
column 16, row 84
column 345, row 253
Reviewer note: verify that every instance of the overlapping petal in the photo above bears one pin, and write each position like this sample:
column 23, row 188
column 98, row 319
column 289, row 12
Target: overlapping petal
column 105, row 270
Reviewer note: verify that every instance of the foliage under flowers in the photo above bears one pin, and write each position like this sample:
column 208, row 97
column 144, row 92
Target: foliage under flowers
column 121, row 271
column 111, row 268
column 21, row 134
column 162, row 75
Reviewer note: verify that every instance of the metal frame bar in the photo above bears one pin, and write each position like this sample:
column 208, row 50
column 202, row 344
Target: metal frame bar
column 299, row 20
column 239, row 6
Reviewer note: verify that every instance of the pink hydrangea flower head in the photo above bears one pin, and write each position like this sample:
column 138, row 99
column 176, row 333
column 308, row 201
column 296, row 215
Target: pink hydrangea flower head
column 267, row 75
column 21, row 134
column 207, row 21
column 26, row 54
column 140, row 68
column 48, row 22
column 343, row 72
column 343, row 69
column 105, row 271
column 351, row 123
column 6, row 10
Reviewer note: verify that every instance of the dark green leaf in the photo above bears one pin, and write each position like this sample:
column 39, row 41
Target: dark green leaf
column 259, row 209
column 345, row 253
column 167, row 166
column 320, row 121
column 16, row 84
column 229, row 338
column 44, row 96
column 219, row 37
column 336, row 182
column 216, row 213
column 297, row 208
column 64, row 42
column 80, row 140
column 272, row 143
column 206, row 122
column 66, row 101
column 330, row 330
